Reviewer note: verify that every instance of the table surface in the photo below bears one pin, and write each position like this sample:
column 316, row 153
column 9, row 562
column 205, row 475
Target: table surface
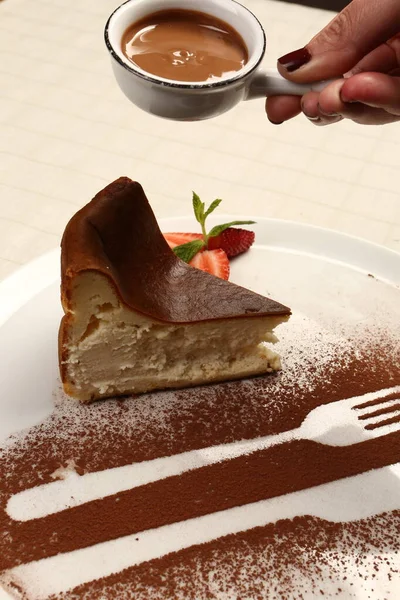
column 66, row 131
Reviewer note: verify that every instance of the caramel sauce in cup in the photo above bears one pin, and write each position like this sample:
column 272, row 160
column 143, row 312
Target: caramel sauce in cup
column 184, row 45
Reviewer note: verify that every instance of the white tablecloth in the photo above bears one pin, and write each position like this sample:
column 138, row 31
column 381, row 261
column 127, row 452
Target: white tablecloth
column 66, row 131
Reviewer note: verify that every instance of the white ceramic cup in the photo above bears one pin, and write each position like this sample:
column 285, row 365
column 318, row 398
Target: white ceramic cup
column 195, row 101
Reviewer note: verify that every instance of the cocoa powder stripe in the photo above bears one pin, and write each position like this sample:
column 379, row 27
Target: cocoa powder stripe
column 381, row 411
column 383, row 423
column 394, row 396
column 279, row 470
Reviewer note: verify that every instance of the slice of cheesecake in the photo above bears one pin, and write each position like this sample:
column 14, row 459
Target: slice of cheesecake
column 137, row 318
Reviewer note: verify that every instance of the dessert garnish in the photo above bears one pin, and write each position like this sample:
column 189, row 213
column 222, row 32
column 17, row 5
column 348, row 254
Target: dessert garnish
column 211, row 251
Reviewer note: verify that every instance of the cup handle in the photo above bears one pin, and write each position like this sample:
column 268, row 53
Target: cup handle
column 271, row 83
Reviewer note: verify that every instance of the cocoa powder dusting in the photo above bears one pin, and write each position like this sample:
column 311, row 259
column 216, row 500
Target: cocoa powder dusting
column 265, row 474
column 289, row 560
column 275, row 561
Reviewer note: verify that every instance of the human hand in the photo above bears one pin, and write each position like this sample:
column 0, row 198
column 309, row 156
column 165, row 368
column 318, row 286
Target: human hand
column 363, row 44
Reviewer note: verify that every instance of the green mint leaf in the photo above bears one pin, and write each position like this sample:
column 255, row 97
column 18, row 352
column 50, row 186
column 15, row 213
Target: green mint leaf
column 198, row 207
column 212, row 207
column 220, row 228
column 189, row 250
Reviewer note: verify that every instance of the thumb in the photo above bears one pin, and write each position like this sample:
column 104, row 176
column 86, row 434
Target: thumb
column 360, row 28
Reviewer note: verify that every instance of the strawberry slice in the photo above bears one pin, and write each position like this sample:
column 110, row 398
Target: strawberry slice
column 177, row 239
column 214, row 262
column 233, row 241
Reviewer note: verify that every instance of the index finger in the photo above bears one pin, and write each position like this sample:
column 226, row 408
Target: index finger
column 383, row 59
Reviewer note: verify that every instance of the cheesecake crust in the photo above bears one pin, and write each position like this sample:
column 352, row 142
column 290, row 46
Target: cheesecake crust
column 117, row 235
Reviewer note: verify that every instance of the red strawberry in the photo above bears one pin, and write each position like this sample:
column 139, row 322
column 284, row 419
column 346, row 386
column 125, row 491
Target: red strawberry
column 212, row 261
column 177, row 239
column 233, row 240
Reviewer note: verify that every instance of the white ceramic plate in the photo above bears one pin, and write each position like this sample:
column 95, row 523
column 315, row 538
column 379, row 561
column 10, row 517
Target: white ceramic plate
column 287, row 259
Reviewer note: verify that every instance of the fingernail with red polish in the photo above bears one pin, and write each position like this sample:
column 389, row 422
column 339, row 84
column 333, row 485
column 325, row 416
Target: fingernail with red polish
column 275, row 122
column 294, row 60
